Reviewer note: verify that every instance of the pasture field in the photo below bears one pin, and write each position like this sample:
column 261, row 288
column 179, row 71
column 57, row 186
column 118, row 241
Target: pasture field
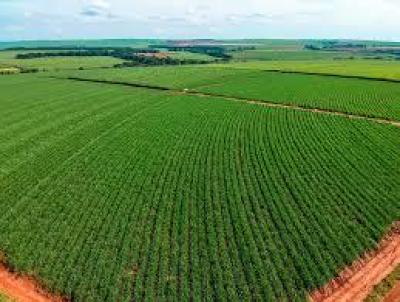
column 287, row 55
column 355, row 96
column 272, row 44
column 112, row 193
column 168, row 77
column 185, row 55
column 365, row 68
column 7, row 58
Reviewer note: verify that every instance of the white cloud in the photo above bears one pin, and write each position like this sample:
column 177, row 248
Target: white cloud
column 202, row 18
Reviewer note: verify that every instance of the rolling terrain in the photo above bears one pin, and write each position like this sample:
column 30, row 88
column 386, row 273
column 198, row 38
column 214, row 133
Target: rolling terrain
column 112, row 192
column 364, row 97
column 272, row 175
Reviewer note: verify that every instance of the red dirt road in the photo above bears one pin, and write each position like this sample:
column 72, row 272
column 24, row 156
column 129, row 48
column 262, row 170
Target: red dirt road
column 22, row 289
column 352, row 285
column 357, row 281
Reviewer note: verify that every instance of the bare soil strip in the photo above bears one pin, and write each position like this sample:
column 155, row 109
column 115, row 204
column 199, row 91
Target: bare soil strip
column 354, row 283
column 250, row 101
column 394, row 294
column 23, row 289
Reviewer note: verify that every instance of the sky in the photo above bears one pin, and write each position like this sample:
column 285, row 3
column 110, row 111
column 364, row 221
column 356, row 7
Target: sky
column 180, row 19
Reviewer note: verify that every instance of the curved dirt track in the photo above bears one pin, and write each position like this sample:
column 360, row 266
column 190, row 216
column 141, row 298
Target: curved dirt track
column 23, row 289
column 357, row 281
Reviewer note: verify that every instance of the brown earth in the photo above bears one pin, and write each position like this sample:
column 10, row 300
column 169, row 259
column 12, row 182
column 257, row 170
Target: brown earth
column 394, row 294
column 354, row 283
column 23, row 289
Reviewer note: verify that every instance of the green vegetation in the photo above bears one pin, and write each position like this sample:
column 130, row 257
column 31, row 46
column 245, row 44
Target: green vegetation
column 272, row 44
column 151, row 61
column 366, row 68
column 7, row 59
column 184, row 55
column 8, row 70
column 112, row 193
column 4, row 298
column 121, row 53
column 284, row 55
column 363, row 97
column 356, row 96
column 117, row 193
column 132, row 57
column 377, row 51
column 170, row 77
column 383, row 288
column 216, row 51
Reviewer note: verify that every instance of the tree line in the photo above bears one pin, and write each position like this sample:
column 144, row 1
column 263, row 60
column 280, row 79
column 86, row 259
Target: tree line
column 131, row 58
column 213, row 51
column 123, row 53
column 156, row 61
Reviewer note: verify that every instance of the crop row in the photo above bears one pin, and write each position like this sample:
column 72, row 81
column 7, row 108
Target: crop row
column 121, row 194
column 355, row 96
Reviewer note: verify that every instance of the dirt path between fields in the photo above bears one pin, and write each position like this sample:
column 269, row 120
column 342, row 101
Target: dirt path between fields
column 355, row 283
column 297, row 107
column 176, row 91
column 23, row 289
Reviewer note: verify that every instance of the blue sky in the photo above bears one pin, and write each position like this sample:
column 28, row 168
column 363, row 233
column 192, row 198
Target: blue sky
column 352, row 19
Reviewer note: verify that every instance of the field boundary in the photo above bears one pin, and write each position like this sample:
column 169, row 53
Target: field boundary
column 333, row 75
column 270, row 104
column 355, row 282
column 299, row 108
column 136, row 85
column 24, row 288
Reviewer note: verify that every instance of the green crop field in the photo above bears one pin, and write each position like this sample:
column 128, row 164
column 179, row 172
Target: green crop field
column 115, row 193
column 7, row 58
column 364, row 68
column 169, row 77
column 356, row 96
column 184, row 55
column 287, row 55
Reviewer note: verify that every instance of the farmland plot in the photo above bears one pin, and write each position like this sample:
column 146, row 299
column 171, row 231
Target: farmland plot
column 354, row 96
column 384, row 69
column 112, row 193
column 7, row 58
column 169, row 77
